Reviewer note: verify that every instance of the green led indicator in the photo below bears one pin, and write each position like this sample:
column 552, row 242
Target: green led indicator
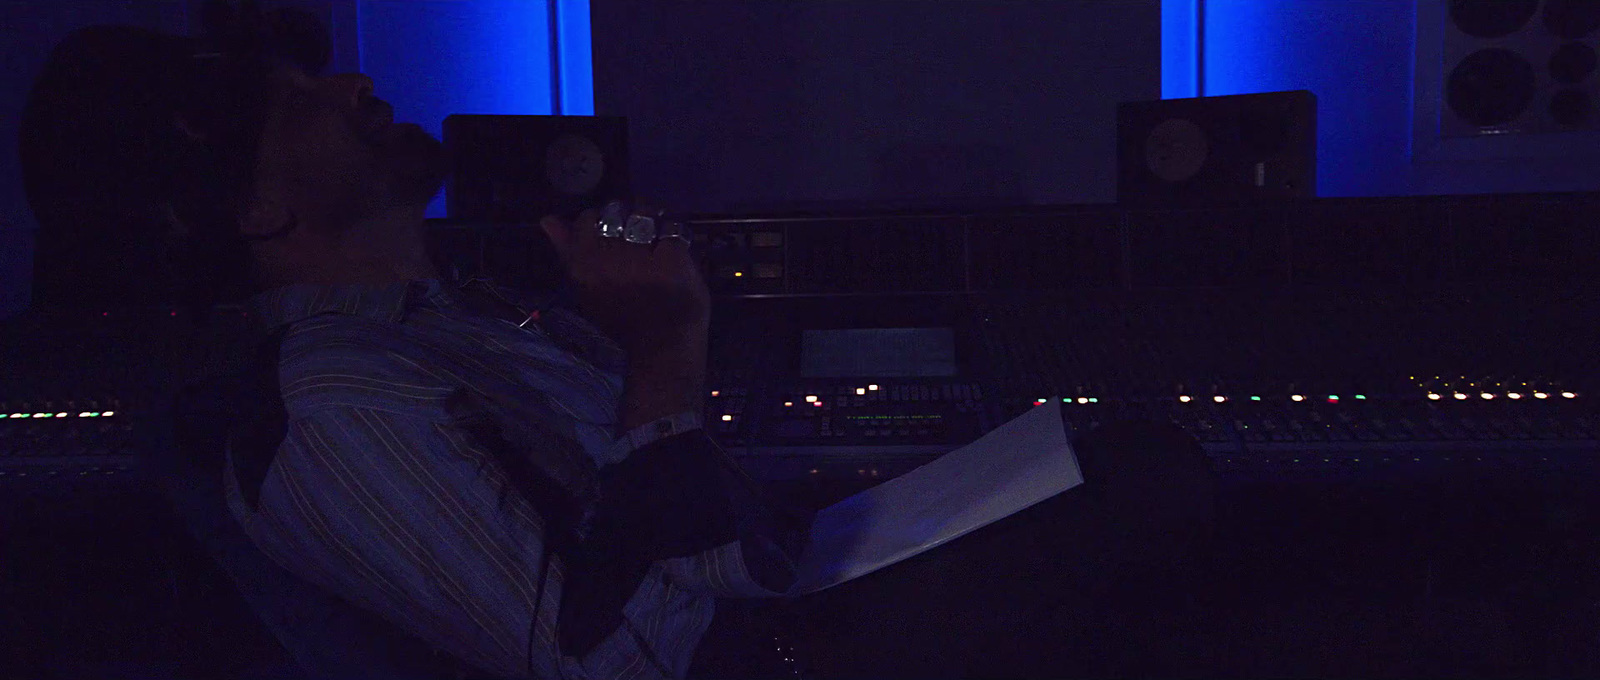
column 1066, row 400
column 1361, row 396
column 1094, row 400
column 1255, row 398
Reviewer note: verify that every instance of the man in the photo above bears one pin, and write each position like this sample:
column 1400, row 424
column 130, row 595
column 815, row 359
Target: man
column 525, row 489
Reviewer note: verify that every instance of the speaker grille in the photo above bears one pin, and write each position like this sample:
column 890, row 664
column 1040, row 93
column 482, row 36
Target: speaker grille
column 1520, row 66
column 1491, row 18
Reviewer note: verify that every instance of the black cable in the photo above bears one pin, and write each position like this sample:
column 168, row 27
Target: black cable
column 538, row 606
column 544, row 571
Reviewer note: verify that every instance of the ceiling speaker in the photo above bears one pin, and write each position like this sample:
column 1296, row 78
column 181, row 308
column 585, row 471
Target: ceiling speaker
column 1519, row 66
column 1217, row 149
column 521, row 168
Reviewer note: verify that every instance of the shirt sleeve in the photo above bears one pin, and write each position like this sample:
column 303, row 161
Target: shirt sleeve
column 657, row 430
column 409, row 518
column 680, row 499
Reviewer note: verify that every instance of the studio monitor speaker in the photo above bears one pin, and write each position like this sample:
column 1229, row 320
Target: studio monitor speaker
column 520, row 168
column 1237, row 148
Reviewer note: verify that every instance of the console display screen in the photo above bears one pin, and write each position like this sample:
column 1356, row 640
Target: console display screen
column 878, row 353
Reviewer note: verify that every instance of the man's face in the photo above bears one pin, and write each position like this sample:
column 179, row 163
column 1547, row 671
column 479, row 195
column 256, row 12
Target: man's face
column 333, row 154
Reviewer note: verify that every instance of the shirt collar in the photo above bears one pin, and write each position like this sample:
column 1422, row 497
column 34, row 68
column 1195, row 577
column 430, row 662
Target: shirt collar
column 383, row 302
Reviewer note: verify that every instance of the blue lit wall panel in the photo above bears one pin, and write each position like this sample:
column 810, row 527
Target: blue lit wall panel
column 433, row 58
column 576, row 73
column 1180, row 24
column 1354, row 54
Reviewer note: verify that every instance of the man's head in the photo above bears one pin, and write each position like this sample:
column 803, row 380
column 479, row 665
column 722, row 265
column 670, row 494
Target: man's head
column 139, row 146
column 338, row 188
column 331, row 156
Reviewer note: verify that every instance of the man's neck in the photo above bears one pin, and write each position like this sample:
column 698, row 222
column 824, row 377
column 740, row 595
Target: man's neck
column 383, row 250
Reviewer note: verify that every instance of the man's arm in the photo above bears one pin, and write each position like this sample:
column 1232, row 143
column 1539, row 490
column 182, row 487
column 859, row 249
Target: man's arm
column 666, row 376
column 680, row 498
column 653, row 302
column 682, row 501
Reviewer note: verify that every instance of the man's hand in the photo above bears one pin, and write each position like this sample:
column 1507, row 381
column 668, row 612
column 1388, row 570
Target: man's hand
column 650, row 299
column 638, row 294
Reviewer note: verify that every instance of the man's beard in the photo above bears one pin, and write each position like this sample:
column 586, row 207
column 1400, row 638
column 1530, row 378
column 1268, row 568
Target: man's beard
column 415, row 163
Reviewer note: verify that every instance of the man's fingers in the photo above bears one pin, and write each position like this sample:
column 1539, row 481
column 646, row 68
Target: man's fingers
column 587, row 218
column 585, row 233
column 560, row 234
column 582, row 247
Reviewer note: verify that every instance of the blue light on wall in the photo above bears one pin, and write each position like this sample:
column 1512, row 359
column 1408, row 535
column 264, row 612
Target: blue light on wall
column 575, row 75
column 1355, row 55
column 432, row 59
column 1180, row 49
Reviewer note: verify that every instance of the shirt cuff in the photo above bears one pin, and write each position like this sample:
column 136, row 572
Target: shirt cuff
column 654, row 431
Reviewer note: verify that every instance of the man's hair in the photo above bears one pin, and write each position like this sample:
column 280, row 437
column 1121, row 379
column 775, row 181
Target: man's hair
column 137, row 152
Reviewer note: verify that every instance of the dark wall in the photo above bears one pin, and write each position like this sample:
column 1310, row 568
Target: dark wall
column 30, row 30
column 736, row 105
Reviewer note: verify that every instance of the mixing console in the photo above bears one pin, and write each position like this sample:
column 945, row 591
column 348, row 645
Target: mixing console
column 82, row 394
column 841, row 432
column 1314, row 383
column 51, row 439
column 860, row 428
column 1346, row 327
column 851, row 345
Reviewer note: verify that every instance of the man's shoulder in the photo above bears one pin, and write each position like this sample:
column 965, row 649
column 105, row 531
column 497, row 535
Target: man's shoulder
column 341, row 333
column 344, row 361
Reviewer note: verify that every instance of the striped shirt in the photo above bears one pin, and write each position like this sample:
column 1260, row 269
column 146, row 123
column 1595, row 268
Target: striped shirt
column 386, row 490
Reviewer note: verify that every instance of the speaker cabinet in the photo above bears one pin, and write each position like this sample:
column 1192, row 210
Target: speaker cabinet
column 513, row 169
column 1238, row 148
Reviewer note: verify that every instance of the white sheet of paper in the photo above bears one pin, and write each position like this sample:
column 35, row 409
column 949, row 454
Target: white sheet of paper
column 1004, row 472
